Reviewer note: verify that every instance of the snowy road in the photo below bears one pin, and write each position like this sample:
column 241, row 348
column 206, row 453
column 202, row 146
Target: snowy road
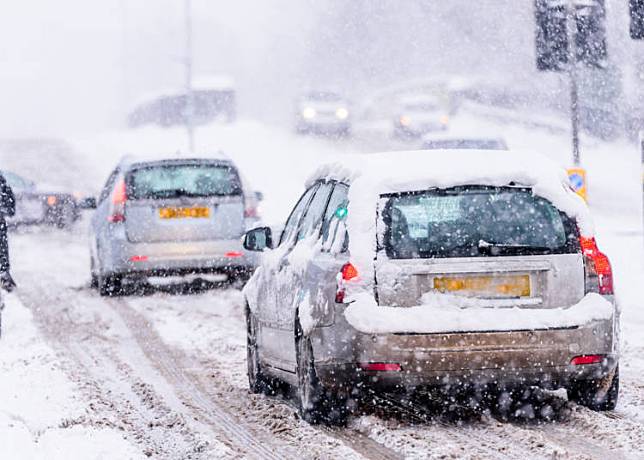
column 164, row 375
column 168, row 371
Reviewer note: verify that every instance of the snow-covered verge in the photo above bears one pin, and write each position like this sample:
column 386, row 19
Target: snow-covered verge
column 39, row 404
column 445, row 312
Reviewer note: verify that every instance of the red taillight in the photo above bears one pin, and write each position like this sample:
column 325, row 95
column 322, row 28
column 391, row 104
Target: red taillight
column 138, row 259
column 119, row 198
column 381, row 367
column 251, row 211
column 599, row 274
column 347, row 273
column 586, row 359
column 233, row 254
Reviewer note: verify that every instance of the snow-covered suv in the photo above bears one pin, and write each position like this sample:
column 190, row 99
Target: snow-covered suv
column 426, row 269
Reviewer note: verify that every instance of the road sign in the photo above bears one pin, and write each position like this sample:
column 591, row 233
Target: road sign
column 577, row 177
column 588, row 37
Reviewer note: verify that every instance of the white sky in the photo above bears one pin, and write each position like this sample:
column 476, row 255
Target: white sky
column 76, row 64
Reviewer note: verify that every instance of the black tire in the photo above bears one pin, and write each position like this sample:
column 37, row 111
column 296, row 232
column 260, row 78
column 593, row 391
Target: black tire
column 596, row 394
column 316, row 404
column 257, row 381
column 93, row 277
column 110, row 285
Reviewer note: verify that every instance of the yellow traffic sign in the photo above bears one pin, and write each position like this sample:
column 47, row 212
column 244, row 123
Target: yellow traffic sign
column 577, row 177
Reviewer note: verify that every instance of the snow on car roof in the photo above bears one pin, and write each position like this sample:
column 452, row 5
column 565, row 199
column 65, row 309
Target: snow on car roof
column 373, row 175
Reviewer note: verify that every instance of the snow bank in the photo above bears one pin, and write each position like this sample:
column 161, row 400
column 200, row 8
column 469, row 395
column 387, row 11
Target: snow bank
column 447, row 313
column 373, row 175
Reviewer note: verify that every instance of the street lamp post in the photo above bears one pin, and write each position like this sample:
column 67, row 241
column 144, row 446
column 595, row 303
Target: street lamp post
column 571, row 25
column 189, row 108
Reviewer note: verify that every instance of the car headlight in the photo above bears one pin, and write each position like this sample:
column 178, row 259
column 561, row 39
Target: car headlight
column 405, row 120
column 308, row 113
column 342, row 113
column 444, row 120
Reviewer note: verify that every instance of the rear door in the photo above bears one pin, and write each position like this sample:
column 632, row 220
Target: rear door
column 496, row 246
column 292, row 266
column 175, row 201
column 268, row 304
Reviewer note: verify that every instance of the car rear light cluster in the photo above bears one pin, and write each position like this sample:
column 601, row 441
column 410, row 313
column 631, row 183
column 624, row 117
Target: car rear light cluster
column 381, row 367
column 599, row 274
column 119, row 198
column 586, row 359
column 347, row 273
column 251, row 211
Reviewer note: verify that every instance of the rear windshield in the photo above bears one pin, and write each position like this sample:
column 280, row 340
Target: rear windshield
column 190, row 180
column 475, row 222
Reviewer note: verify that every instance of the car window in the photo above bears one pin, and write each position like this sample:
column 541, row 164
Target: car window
column 315, row 212
column 335, row 212
column 15, row 182
column 178, row 180
column 292, row 224
column 109, row 185
column 475, row 222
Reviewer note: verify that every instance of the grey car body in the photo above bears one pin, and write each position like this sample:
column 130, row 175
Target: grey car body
column 299, row 329
column 37, row 205
column 170, row 232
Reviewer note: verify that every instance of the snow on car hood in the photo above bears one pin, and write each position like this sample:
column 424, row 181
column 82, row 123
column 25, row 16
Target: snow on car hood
column 449, row 313
column 375, row 174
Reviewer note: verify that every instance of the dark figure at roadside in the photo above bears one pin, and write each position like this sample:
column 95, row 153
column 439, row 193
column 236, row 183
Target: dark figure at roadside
column 7, row 209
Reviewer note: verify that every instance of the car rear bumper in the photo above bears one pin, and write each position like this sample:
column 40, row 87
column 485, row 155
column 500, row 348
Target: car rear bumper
column 538, row 357
column 323, row 126
column 178, row 258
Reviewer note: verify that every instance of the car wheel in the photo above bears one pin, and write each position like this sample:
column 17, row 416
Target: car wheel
column 110, row 285
column 317, row 405
column 66, row 217
column 257, row 381
column 93, row 280
column 596, row 394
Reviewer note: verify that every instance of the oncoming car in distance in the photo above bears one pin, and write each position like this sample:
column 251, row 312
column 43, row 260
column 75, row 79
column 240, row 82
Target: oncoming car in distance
column 171, row 217
column 321, row 112
column 39, row 205
column 420, row 114
column 413, row 272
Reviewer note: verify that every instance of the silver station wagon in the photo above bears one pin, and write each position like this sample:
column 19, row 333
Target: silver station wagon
column 171, row 217
column 414, row 270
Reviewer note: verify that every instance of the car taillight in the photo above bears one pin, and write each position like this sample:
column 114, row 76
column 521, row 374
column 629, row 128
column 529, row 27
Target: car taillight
column 119, row 198
column 599, row 274
column 586, row 359
column 251, row 211
column 347, row 273
column 381, row 367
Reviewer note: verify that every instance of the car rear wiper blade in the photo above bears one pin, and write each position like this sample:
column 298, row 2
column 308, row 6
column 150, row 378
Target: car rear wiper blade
column 491, row 244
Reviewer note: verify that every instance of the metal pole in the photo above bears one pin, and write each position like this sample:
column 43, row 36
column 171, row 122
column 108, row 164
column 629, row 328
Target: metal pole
column 189, row 109
column 571, row 25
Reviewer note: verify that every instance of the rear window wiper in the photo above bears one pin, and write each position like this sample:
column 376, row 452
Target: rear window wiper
column 488, row 245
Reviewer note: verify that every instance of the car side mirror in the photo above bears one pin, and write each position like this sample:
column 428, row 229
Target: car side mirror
column 88, row 203
column 259, row 196
column 258, row 239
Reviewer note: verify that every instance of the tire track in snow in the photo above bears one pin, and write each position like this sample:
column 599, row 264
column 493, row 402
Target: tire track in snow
column 117, row 396
column 167, row 361
column 288, row 426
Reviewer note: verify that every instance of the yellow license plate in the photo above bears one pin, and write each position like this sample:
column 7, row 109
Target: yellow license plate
column 184, row 213
column 490, row 286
